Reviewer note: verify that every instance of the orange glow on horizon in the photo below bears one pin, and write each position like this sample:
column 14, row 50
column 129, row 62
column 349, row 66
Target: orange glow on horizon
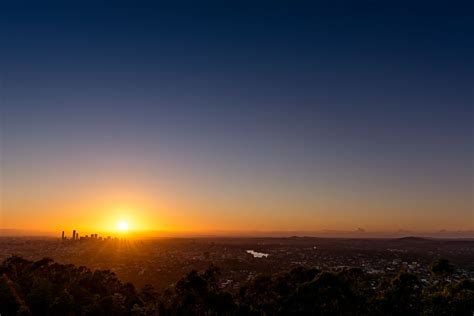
column 147, row 215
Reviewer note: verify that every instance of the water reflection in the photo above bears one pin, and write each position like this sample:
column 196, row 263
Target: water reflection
column 257, row 254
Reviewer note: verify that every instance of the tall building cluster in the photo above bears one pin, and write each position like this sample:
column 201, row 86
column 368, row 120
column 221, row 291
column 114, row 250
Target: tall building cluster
column 75, row 236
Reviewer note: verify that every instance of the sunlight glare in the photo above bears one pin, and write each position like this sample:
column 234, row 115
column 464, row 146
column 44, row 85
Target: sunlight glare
column 122, row 226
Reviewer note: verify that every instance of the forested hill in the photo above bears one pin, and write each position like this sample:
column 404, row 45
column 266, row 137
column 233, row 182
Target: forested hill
column 48, row 288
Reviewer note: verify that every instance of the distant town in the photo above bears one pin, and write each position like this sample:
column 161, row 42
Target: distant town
column 163, row 261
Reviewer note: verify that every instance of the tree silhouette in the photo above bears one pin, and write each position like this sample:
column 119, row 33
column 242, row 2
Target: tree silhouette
column 442, row 268
column 48, row 288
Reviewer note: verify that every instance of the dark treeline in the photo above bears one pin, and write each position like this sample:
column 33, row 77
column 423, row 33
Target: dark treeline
column 48, row 288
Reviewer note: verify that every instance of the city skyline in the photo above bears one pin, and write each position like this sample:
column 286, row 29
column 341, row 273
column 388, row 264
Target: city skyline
column 237, row 119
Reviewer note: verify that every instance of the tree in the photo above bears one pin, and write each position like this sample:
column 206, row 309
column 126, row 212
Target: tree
column 401, row 297
column 442, row 268
column 63, row 304
column 40, row 297
column 47, row 288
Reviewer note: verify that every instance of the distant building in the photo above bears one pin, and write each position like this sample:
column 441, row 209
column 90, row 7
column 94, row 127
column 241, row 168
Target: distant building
column 91, row 237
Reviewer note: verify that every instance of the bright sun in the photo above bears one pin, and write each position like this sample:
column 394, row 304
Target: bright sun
column 122, row 226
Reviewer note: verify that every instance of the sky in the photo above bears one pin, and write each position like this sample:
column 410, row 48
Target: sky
column 239, row 116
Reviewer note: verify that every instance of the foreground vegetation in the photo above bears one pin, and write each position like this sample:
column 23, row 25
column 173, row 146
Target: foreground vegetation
column 48, row 288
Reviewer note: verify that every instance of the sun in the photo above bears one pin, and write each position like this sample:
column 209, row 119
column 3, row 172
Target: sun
column 122, row 226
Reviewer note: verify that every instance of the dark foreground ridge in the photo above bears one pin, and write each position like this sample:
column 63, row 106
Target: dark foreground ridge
column 48, row 288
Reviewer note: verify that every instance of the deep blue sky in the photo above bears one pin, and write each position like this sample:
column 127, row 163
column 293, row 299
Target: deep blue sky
column 359, row 110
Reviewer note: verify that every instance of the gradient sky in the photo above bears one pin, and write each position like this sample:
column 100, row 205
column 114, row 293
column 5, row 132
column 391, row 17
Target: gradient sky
column 208, row 116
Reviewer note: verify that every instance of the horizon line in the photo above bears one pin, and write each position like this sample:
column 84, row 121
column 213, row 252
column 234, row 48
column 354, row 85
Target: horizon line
column 460, row 234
